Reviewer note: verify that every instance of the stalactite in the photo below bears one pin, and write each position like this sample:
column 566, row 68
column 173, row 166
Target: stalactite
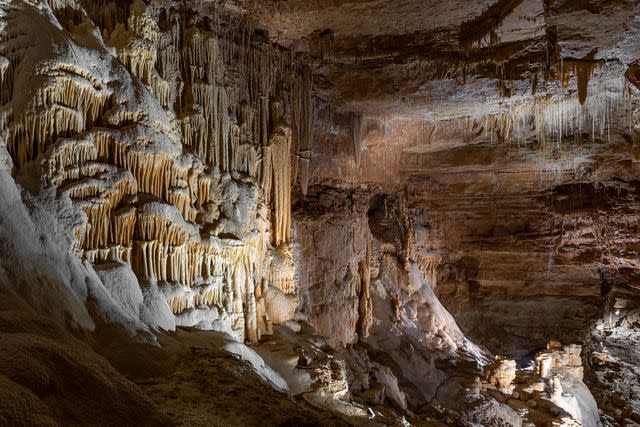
column 200, row 270
column 428, row 263
column 583, row 70
column 205, row 95
column 181, row 199
column 80, row 232
column 555, row 118
column 107, row 254
column 65, row 107
column 276, row 177
column 136, row 42
column 222, row 127
column 123, row 224
column 200, row 55
column 150, row 260
column 153, row 172
column 178, row 265
column 113, row 186
column 98, row 213
column 204, row 188
column 194, row 130
column 167, row 58
column 157, row 256
column 6, row 80
column 28, row 138
column 165, row 92
column 246, row 155
column 263, row 116
column 185, row 298
column 67, row 153
column 302, row 112
column 234, row 148
column 356, row 137
column 151, row 227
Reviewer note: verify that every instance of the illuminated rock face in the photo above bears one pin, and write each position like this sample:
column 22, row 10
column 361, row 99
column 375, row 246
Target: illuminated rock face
column 350, row 164
column 180, row 133
column 157, row 126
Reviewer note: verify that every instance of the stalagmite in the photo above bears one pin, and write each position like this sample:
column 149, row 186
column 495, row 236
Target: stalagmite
column 252, row 334
column 501, row 373
column 264, row 324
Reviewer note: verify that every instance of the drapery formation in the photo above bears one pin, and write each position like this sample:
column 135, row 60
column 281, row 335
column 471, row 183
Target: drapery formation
column 176, row 149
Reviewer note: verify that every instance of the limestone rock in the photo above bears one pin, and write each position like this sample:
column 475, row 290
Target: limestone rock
column 378, row 196
column 279, row 307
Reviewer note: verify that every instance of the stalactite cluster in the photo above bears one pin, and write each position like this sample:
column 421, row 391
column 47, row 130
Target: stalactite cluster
column 553, row 119
column 147, row 162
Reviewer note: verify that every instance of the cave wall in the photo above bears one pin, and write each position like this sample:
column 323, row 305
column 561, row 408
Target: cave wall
column 530, row 253
column 168, row 138
column 180, row 160
column 523, row 240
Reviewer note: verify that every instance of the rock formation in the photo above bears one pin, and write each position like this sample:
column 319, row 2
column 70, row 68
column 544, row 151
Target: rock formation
column 379, row 212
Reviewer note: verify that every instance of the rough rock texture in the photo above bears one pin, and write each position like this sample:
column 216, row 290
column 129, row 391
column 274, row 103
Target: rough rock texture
column 400, row 204
column 433, row 59
column 613, row 374
column 49, row 377
column 537, row 245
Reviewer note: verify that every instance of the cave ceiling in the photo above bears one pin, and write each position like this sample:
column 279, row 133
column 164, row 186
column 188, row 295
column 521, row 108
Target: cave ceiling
column 447, row 59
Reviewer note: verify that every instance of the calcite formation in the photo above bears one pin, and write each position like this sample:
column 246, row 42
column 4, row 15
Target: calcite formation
column 159, row 131
column 549, row 393
column 501, row 374
column 413, row 211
